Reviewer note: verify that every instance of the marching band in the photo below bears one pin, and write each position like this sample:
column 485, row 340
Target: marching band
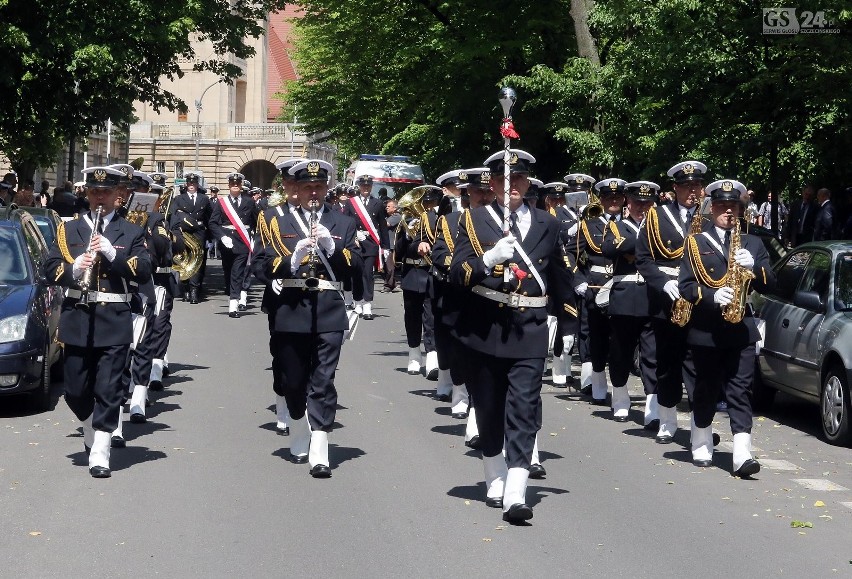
column 495, row 281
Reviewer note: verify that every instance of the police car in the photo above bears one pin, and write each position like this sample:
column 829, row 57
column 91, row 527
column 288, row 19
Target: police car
column 393, row 175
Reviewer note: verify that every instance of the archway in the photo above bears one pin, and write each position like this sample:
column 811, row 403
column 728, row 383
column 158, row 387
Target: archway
column 260, row 173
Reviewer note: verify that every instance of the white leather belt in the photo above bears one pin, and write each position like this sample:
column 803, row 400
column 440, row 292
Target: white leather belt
column 633, row 277
column 163, row 270
column 100, row 296
column 410, row 261
column 607, row 269
column 674, row 271
column 321, row 284
column 511, row 300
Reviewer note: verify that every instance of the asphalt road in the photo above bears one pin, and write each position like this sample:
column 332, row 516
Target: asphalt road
column 204, row 489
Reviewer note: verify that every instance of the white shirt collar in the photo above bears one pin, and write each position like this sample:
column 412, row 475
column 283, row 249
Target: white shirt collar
column 720, row 233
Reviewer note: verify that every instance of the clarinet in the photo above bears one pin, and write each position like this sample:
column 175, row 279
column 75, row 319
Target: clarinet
column 86, row 279
column 311, row 281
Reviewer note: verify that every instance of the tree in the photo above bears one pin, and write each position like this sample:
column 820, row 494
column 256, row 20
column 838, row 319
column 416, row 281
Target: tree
column 66, row 68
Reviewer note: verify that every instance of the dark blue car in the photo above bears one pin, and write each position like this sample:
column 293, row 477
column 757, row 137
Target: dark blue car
column 29, row 310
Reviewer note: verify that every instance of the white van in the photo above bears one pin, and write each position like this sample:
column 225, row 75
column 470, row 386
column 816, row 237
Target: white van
column 393, row 175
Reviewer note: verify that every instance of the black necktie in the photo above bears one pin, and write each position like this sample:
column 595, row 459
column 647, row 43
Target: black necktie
column 513, row 228
column 192, row 198
column 728, row 240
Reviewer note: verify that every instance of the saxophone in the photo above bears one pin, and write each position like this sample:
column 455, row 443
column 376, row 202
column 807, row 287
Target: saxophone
column 682, row 309
column 738, row 278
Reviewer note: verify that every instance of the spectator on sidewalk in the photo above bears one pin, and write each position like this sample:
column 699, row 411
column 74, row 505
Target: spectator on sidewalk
column 393, row 222
column 764, row 214
column 824, row 222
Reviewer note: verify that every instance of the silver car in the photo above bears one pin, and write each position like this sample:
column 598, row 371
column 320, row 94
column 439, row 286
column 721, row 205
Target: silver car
column 807, row 348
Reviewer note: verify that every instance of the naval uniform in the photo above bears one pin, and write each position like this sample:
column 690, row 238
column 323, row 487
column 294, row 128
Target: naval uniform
column 235, row 258
column 97, row 339
column 369, row 248
column 505, row 332
column 723, row 352
column 629, row 311
column 199, row 212
column 416, row 283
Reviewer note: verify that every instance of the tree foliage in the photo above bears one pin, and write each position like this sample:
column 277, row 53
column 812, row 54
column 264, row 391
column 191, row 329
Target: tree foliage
column 66, row 67
column 675, row 79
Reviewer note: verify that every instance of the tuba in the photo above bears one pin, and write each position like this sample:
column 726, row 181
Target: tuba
column 738, row 278
column 682, row 309
column 593, row 208
column 190, row 260
column 411, row 206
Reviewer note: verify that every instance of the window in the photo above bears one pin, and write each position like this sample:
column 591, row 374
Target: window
column 161, row 167
column 817, row 275
column 790, row 274
column 181, row 117
column 843, row 283
column 178, row 169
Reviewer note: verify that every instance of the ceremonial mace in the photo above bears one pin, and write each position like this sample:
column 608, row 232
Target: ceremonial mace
column 508, row 98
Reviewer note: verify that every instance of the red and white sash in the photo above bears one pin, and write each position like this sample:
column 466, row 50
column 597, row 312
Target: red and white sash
column 235, row 220
column 361, row 212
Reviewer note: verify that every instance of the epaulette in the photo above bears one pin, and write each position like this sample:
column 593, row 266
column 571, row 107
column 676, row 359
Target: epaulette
column 471, row 233
column 62, row 242
column 347, row 255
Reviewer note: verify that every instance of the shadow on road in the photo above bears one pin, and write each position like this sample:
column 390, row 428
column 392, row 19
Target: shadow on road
column 130, row 456
column 133, row 431
column 451, row 429
column 535, row 494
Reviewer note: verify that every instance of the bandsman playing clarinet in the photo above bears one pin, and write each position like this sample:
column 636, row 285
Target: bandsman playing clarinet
column 504, row 326
column 96, row 256
column 312, row 250
column 720, row 266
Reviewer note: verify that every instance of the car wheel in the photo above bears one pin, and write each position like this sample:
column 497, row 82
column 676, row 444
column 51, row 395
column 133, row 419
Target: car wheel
column 834, row 407
column 762, row 395
column 41, row 397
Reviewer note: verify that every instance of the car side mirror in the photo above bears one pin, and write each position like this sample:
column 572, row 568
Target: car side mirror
column 810, row 301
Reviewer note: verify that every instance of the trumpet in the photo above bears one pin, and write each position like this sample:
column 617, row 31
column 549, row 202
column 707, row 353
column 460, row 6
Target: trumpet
column 311, row 282
column 86, row 279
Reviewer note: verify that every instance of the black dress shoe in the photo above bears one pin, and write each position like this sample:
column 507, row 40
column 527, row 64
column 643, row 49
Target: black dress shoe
column 537, row 471
column 748, row 468
column 518, row 513
column 586, row 390
column 494, row 502
column 599, row 401
column 233, row 314
column 442, row 397
column 620, row 418
column 156, row 385
column 283, row 431
column 320, row 471
column 87, row 449
column 702, row 462
column 716, row 439
column 433, row 375
column 653, row 425
column 166, row 370
column 241, row 307
column 193, row 296
column 367, row 316
column 473, row 443
column 459, row 415
column 100, row 472
column 117, row 442
column 138, row 418
column 560, row 385
column 299, row 459
column 664, row 439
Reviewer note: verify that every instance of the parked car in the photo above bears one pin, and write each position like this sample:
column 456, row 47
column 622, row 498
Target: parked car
column 47, row 220
column 29, row 309
column 807, row 349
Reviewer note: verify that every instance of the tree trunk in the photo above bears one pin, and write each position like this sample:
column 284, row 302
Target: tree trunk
column 24, row 169
column 586, row 46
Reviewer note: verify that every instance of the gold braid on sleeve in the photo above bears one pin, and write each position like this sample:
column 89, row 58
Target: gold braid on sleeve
column 446, row 233
column 62, row 242
column 698, row 268
column 471, row 233
column 263, row 230
column 277, row 242
column 588, row 237
column 430, row 235
column 655, row 240
column 619, row 239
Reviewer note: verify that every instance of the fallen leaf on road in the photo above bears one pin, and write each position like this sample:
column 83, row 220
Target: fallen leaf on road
column 819, row 504
column 826, row 517
column 726, row 498
column 499, row 527
column 761, row 419
column 801, row 524
column 486, row 539
column 552, row 434
column 776, row 426
column 467, row 502
column 35, row 533
column 669, row 482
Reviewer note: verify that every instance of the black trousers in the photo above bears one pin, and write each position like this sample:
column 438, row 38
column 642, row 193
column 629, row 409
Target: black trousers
column 162, row 331
column 506, row 394
column 94, row 385
column 419, row 321
column 627, row 332
column 593, row 335
column 234, row 266
column 277, row 370
column 675, row 366
column 308, row 363
column 362, row 285
column 142, row 358
column 450, row 352
column 198, row 278
column 728, row 370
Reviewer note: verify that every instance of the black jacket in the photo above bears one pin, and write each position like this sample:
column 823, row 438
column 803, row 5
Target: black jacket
column 220, row 225
column 376, row 211
column 627, row 297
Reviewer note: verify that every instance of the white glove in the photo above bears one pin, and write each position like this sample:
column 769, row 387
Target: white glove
column 108, row 251
column 361, row 235
column 77, row 268
column 503, row 250
column 744, row 258
column 385, row 254
column 581, row 289
column 299, row 253
column 671, row 289
column 277, row 286
column 723, row 296
column 572, row 231
column 228, row 242
column 324, row 239
column 567, row 343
